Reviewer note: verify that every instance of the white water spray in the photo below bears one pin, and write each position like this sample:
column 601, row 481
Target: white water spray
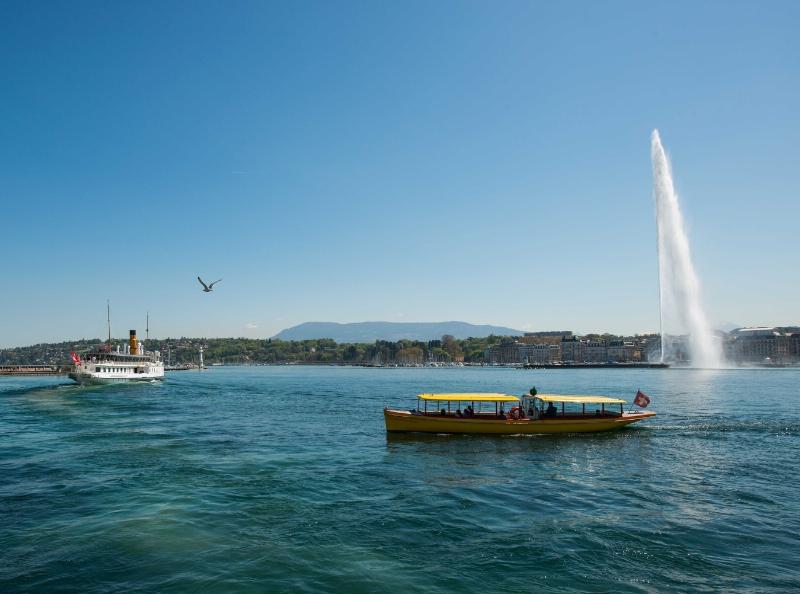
column 681, row 309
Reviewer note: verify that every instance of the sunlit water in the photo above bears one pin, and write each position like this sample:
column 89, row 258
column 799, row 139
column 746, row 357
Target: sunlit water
column 282, row 479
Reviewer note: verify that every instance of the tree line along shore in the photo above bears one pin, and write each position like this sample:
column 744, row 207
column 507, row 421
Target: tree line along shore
column 251, row 351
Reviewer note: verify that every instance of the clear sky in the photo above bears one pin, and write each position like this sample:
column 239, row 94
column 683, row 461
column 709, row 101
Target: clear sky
column 401, row 161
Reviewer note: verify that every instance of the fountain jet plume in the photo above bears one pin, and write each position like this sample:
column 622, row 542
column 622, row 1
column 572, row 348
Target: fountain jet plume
column 679, row 287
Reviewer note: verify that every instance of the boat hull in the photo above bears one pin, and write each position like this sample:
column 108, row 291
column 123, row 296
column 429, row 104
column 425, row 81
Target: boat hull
column 406, row 422
column 87, row 379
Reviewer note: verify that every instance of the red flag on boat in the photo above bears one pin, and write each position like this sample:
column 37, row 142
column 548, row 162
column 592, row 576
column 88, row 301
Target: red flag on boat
column 642, row 399
column 75, row 358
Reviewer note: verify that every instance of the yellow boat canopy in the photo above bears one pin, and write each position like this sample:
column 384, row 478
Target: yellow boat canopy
column 579, row 399
column 467, row 397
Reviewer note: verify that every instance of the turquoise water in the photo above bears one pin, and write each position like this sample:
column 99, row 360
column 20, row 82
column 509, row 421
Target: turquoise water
column 282, row 479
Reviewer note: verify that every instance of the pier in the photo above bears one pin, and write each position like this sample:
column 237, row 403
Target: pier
column 631, row 365
column 32, row 370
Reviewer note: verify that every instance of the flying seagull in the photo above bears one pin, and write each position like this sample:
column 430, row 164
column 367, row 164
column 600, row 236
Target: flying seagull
column 207, row 288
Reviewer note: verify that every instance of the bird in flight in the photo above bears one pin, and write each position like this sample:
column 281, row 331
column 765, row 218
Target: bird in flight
column 207, row 288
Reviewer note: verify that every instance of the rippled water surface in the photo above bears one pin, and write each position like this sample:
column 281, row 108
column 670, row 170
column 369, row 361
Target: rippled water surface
column 282, row 479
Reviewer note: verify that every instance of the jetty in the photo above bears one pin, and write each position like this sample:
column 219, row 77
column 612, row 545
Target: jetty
column 31, row 370
column 632, row 365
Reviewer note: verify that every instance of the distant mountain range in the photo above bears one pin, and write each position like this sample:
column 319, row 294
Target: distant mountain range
column 371, row 331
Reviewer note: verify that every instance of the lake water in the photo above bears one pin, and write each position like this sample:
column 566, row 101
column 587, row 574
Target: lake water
column 282, row 479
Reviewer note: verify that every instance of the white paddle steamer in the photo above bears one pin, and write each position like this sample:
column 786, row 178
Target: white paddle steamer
column 129, row 363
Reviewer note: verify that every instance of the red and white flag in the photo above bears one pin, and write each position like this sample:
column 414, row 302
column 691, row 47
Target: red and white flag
column 75, row 358
column 642, row 399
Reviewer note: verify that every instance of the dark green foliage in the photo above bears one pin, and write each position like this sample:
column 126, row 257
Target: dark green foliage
column 249, row 351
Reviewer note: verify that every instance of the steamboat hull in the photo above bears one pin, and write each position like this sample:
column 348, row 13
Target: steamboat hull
column 86, row 379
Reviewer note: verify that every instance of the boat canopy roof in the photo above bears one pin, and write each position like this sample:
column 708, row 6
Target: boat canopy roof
column 579, row 399
column 471, row 397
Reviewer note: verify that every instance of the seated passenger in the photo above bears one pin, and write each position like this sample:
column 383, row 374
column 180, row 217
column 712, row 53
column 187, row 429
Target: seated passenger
column 443, row 413
column 458, row 413
column 551, row 411
column 470, row 411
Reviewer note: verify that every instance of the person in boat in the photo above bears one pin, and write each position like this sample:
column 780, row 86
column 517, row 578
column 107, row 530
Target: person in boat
column 458, row 413
column 443, row 413
column 551, row 411
column 469, row 412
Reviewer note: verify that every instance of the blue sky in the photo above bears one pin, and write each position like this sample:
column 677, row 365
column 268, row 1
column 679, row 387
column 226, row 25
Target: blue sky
column 403, row 161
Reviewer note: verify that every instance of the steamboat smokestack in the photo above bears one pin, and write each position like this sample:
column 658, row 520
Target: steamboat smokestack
column 133, row 344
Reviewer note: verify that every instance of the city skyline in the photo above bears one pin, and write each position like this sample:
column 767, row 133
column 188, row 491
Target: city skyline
column 397, row 162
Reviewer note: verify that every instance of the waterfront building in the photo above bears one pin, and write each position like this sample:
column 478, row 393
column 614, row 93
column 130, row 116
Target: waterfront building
column 763, row 345
column 505, row 353
column 543, row 353
column 572, row 349
column 620, row 351
column 519, row 353
column 596, row 351
column 576, row 350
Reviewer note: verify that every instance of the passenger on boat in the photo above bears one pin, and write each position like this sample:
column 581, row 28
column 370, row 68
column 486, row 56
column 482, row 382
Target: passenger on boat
column 458, row 413
column 469, row 411
column 551, row 411
column 443, row 413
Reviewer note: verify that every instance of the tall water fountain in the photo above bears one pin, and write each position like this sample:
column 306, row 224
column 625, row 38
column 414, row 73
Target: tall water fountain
column 681, row 309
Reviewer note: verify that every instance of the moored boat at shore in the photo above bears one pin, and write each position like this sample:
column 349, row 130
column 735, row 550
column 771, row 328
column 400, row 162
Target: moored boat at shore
column 507, row 414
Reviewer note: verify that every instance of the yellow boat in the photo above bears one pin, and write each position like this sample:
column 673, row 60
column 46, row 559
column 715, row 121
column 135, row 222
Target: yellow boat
column 507, row 414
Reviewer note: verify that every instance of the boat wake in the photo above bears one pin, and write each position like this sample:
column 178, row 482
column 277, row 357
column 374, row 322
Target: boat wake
column 754, row 426
column 28, row 390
